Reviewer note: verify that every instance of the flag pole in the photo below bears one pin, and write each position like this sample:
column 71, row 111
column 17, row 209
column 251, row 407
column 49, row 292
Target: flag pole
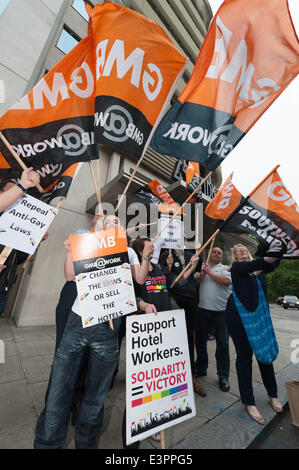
column 225, row 222
column 5, row 254
column 140, row 226
column 198, row 252
column 128, row 184
column 210, row 250
column 96, row 186
column 18, row 159
column 181, row 208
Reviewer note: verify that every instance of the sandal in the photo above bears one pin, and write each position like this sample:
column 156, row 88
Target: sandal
column 257, row 419
column 277, row 409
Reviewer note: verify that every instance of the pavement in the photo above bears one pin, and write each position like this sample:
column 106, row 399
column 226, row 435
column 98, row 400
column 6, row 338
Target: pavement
column 221, row 421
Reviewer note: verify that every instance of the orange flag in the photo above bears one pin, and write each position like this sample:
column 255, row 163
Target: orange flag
column 249, row 56
column 225, row 201
column 270, row 213
column 137, row 71
column 53, row 123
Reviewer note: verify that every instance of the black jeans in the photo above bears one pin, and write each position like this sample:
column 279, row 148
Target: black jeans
column 244, row 362
column 189, row 304
column 205, row 320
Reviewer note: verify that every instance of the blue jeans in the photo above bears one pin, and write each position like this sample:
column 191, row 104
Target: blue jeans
column 205, row 320
column 102, row 343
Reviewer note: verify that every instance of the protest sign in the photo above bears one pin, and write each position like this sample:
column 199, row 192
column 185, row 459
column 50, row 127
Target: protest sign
column 173, row 236
column 159, row 386
column 103, row 276
column 25, row 222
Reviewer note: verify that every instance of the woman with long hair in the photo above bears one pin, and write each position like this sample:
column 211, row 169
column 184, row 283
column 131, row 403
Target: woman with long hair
column 250, row 326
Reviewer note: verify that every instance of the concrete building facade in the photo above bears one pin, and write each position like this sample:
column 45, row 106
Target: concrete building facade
column 34, row 36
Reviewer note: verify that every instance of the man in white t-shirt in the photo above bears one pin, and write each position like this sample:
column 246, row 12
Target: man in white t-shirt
column 102, row 343
column 214, row 289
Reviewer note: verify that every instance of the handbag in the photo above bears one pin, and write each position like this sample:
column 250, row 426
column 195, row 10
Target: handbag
column 259, row 328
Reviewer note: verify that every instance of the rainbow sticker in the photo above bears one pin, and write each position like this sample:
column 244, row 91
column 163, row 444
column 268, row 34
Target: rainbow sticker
column 84, row 296
column 128, row 283
column 130, row 303
column 81, row 278
column 53, row 212
column 125, row 266
column 2, row 230
column 89, row 321
column 158, row 396
column 32, row 242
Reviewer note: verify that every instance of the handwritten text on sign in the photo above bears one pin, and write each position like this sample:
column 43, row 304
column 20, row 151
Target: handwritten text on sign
column 25, row 222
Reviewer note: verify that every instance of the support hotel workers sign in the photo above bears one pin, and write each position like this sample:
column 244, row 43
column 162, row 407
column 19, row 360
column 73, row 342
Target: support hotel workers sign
column 159, row 387
column 249, row 56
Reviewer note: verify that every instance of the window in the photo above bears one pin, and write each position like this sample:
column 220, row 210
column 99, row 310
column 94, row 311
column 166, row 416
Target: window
column 3, row 5
column 67, row 40
column 79, row 6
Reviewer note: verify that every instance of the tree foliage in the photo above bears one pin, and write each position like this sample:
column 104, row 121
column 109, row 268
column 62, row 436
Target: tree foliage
column 284, row 280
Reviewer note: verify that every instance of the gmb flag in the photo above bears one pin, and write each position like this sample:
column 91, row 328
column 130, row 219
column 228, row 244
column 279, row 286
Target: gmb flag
column 53, row 123
column 192, row 181
column 270, row 213
column 55, row 186
column 137, row 71
column 249, row 56
column 154, row 193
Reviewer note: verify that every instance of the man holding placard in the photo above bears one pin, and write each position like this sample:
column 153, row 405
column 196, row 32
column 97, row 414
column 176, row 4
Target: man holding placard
column 82, row 333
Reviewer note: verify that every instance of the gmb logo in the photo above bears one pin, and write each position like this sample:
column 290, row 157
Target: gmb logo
column 118, row 125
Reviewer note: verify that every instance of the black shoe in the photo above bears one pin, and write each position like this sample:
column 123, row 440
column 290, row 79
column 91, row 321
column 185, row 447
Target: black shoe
column 224, row 385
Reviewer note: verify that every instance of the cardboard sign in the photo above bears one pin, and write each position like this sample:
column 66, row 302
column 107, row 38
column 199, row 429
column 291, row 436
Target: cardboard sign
column 159, row 386
column 172, row 236
column 103, row 276
column 25, row 222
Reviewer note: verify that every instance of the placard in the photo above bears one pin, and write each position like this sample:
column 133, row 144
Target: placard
column 25, row 222
column 173, row 236
column 159, row 389
column 103, row 276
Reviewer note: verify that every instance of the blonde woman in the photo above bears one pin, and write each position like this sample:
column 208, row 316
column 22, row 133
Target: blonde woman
column 250, row 326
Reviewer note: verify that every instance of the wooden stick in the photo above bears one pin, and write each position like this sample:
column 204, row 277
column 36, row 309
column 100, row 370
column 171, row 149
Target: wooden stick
column 5, row 254
column 18, row 159
column 162, row 435
column 210, row 250
column 198, row 252
column 180, row 208
column 99, row 181
column 128, row 184
column 140, row 226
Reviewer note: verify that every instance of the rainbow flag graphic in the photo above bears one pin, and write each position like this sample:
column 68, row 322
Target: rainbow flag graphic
column 125, row 266
column 32, row 242
column 128, row 283
column 84, row 296
column 89, row 320
column 130, row 303
column 2, row 230
column 82, row 277
column 53, row 212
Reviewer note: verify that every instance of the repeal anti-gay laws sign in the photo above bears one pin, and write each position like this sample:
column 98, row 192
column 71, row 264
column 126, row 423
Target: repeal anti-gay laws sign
column 159, row 386
column 172, row 236
column 25, row 222
column 103, row 276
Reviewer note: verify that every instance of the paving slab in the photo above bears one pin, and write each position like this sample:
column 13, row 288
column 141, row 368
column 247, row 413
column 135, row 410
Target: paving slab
column 38, row 393
column 30, row 334
column 21, row 437
column 11, row 370
column 214, row 403
column 233, row 428
column 16, row 406
column 37, row 369
column 36, row 348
